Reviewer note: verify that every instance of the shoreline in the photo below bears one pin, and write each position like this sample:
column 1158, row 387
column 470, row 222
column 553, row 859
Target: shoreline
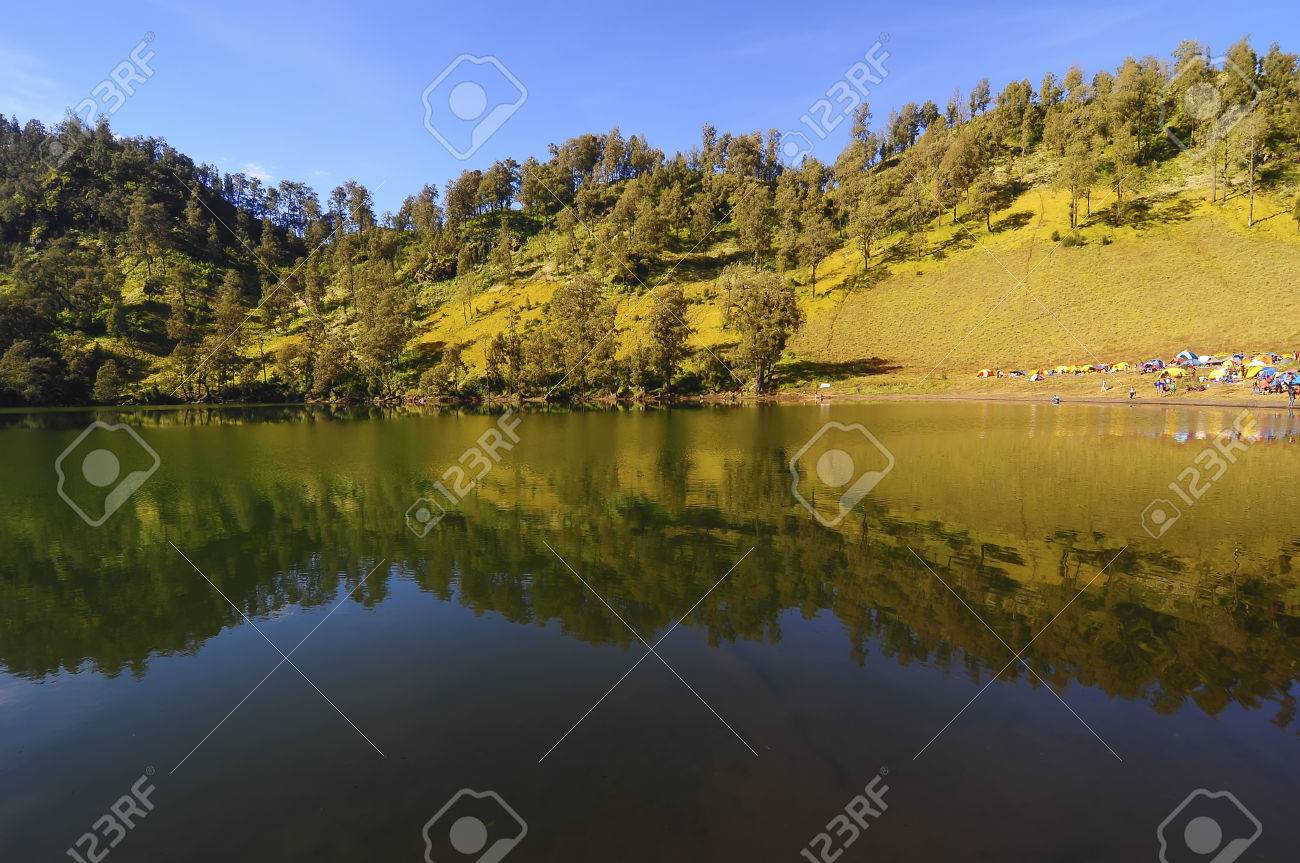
column 713, row 399
column 1005, row 398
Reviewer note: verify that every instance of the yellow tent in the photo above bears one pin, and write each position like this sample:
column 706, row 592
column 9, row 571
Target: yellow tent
column 1064, row 369
column 1253, row 370
column 1120, row 367
column 1176, row 372
column 1216, row 374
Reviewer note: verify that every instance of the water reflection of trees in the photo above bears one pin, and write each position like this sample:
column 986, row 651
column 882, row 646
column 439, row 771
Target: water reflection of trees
column 1153, row 627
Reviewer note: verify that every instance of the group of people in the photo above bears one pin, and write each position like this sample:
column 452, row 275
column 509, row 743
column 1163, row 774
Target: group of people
column 1279, row 384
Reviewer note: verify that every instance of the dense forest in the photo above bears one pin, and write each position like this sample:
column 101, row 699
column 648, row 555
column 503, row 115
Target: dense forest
column 130, row 273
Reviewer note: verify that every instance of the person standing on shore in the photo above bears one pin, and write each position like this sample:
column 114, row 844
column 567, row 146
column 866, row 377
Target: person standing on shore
column 1132, row 392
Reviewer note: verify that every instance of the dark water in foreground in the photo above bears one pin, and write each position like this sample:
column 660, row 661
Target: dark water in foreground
column 1159, row 661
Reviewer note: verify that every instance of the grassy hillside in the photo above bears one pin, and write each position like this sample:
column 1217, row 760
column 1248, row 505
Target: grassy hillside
column 131, row 273
column 1188, row 276
column 1177, row 272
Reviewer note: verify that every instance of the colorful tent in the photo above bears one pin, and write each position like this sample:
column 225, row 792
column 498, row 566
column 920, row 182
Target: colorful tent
column 985, row 373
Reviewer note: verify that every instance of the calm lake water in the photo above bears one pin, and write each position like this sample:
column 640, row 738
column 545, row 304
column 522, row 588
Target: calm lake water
column 1162, row 639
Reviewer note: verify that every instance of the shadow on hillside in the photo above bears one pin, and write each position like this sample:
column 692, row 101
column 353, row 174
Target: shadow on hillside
column 970, row 228
column 862, row 279
column 700, row 265
column 1147, row 212
column 1013, row 221
column 961, row 240
column 810, row 371
column 900, row 252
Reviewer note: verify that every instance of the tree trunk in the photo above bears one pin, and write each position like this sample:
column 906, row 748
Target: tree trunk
column 1250, row 218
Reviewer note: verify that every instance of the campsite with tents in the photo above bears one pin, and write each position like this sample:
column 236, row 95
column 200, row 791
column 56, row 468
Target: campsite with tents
column 1222, row 374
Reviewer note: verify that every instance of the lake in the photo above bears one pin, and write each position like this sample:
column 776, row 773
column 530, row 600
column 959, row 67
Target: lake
column 1042, row 629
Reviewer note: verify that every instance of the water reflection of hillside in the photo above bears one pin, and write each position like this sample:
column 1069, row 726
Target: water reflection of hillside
column 1156, row 626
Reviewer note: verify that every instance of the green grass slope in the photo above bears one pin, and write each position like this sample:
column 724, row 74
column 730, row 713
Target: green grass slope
column 1174, row 271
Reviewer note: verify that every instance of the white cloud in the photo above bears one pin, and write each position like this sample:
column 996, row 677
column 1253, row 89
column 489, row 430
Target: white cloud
column 260, row 172
column 25, row 92
column 255, row 170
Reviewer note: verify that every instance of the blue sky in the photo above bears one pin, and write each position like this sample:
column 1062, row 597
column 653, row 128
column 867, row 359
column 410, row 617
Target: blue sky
column 332, row 90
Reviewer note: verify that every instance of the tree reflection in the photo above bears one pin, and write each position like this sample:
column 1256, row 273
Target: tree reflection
column 652, row 538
